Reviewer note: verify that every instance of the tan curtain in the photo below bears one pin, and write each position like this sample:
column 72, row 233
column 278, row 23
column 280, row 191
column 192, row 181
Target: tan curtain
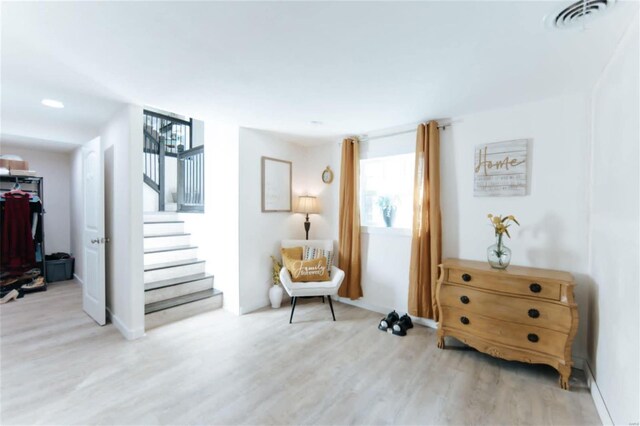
column 426, row 244
column 349, row 243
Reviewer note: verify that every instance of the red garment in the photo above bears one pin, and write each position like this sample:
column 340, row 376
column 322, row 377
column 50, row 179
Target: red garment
column 17, row 242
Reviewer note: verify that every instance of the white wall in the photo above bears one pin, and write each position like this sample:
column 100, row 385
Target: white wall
column 125, row 286
column 216, row 231
column 77, row 218
column 261, row 233
column 554, row 224
column 198, row 132
column 55, row 168
column 149, row 198
column 613, row 229
column 170, row 179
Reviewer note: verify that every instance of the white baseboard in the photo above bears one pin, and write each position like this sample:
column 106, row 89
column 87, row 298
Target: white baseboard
column 384, row 311
column 128, row 333
column 579, row 363
column 598, row 400
column 78, row 280
column 244, row 311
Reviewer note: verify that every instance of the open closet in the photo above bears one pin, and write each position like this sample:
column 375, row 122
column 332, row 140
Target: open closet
column 22, row 239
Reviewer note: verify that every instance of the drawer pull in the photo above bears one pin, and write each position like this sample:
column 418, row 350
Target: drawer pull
column 535, row 287
column 534, row 313
column 533, row 337
column 464, row 320
column 466, row 278
column 464, row 299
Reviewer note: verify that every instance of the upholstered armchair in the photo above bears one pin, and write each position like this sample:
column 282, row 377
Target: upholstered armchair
column 312, row 289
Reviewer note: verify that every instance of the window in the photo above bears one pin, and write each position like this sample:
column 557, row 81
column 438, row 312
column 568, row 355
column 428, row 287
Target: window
column 386, row 191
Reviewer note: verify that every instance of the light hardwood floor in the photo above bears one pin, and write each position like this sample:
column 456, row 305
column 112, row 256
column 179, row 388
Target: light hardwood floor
column 57, row 367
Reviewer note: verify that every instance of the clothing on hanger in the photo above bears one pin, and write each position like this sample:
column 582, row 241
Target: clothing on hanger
column 18, row 249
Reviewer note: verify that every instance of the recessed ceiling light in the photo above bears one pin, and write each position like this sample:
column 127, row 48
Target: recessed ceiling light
column 316, row 122
column 52, row 103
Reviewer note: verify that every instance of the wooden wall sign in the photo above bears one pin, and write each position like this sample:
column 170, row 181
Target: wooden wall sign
column 500, row 169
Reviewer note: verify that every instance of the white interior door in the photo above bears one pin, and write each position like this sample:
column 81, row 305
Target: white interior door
column 93, row 291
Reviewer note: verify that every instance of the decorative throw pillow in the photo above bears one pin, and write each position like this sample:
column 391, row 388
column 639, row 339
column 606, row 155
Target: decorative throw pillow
column 290, row 255
column 315, row 253
column 309, row 270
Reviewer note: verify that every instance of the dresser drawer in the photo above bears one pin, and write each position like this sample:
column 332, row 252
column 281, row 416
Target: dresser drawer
column 508, row 308
column 505, row 283
column 516, row 335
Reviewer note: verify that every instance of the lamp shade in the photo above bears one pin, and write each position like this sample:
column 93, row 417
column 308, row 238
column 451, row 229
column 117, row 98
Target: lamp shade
column 307, row 205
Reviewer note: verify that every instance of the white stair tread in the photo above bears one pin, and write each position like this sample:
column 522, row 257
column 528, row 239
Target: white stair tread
column 173, row 264
column 159, row 222
column 178, row 234
column 175, row 281
column 174, row 248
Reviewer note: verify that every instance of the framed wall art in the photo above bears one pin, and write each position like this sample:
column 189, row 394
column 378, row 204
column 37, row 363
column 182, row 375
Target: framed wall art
column 501, row 169
column 276, row 185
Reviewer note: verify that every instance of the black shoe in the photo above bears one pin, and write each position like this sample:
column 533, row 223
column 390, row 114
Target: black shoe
column 401, row 326
column 388, row 321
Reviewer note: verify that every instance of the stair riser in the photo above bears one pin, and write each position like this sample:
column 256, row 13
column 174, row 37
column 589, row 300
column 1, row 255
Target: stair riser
column 160, row 217
column 180, row 312
column 169, row 256
column 163, row 228
column 177, row 290
column 174, row 272
column 166, row 242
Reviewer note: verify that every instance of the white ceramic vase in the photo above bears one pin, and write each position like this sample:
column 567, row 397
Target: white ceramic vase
column 275, row 296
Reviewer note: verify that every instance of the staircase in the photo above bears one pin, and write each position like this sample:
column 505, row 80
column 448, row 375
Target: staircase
column 176, row 285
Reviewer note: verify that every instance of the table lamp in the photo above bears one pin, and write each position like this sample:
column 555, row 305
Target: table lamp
column 307, row 205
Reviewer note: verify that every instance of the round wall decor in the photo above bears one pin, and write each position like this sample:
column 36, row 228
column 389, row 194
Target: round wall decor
column 327, row 175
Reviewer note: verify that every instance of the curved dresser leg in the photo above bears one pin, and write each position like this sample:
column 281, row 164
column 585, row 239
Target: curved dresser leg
column 565, row 375
column 441, row 342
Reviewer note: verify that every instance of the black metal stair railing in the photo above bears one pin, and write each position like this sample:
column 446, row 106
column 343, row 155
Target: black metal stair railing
column 153, row 154
column 166, row 136
column 191, row 180
column 174, row 133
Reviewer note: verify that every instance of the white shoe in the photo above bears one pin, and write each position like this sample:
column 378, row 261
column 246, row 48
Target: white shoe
column 12, row 295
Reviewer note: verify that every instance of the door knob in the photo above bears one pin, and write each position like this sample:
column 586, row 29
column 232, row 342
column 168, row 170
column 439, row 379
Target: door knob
column 105, row 240
column 95, row 241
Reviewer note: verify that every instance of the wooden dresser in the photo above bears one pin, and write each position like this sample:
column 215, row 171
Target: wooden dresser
column 521, row 314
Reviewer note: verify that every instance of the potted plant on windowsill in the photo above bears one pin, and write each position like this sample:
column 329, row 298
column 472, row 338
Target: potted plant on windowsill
column 275, row 292
column 388, row 207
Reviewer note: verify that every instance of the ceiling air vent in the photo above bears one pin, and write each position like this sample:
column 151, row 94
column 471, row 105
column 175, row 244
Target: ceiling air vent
column 576, row 14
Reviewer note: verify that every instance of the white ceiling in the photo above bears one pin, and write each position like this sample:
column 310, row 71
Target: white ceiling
column 355, row 66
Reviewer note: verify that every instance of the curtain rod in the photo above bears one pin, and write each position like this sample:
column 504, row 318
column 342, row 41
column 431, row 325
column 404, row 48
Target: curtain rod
column 364, row 138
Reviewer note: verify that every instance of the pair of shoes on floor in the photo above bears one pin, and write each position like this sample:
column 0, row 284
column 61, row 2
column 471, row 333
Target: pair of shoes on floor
column 398, row 324
column 36, row 284
column 12, row 295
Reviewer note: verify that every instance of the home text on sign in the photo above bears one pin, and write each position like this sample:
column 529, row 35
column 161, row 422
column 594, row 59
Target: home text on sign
column 500, row 169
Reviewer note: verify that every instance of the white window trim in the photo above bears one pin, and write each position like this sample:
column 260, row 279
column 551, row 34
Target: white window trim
column 379, row 230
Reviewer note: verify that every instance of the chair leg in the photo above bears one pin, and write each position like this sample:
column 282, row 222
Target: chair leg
column 293, row 308
column 331, row 306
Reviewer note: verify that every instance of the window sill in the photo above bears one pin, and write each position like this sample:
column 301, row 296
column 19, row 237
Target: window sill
column 378, row 230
